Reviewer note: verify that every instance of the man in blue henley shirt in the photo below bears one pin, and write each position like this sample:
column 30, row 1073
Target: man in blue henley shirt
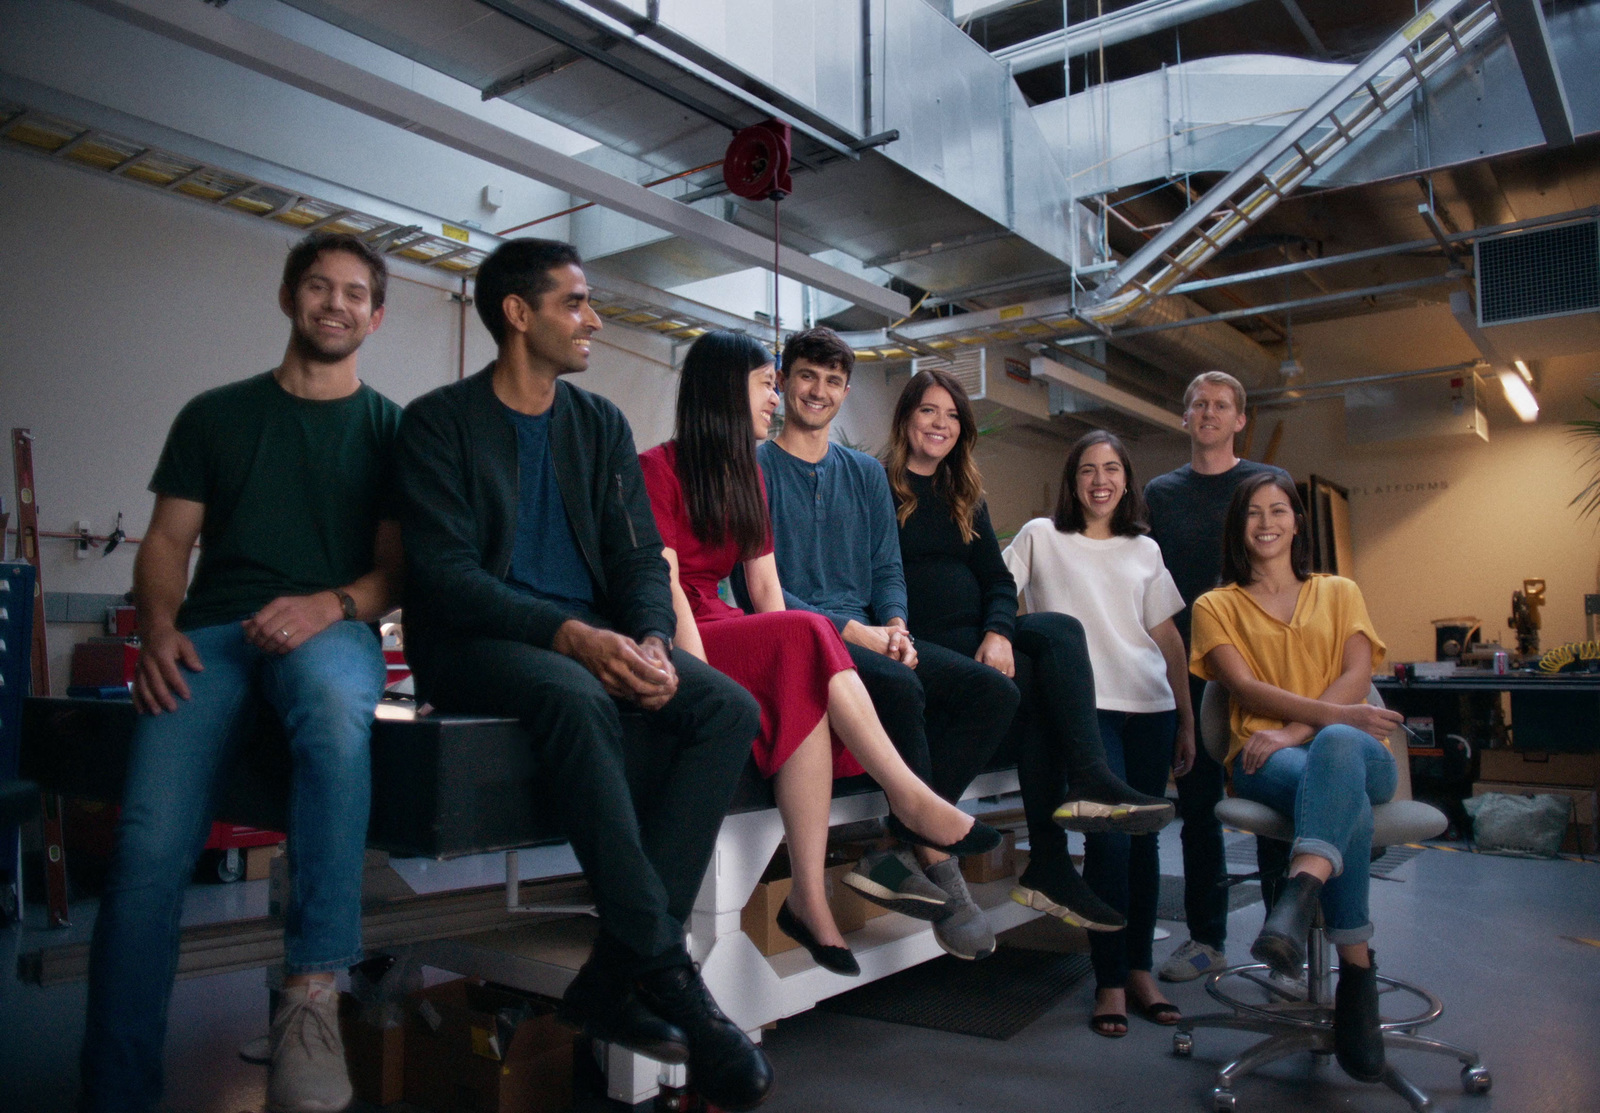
column 838, row 552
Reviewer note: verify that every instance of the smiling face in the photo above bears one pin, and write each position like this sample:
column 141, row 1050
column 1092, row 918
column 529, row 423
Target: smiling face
column 1213, row 416
column 763, row 383
column 932, row 430
column 812, row 394
column 1270, row 526
column 330, row 312
column 555, row 334
column 1100, row 483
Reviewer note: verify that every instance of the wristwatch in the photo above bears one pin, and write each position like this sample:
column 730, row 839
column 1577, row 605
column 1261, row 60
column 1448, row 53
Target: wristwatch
column 347, row 602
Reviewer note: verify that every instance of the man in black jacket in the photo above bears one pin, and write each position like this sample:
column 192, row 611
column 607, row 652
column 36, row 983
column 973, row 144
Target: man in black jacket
column 536, row 588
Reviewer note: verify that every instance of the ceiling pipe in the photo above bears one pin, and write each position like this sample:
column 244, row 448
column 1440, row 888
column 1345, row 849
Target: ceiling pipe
column 1122, row 26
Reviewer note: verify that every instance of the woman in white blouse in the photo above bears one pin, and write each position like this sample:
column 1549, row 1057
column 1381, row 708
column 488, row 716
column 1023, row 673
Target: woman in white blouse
column 1093, row 562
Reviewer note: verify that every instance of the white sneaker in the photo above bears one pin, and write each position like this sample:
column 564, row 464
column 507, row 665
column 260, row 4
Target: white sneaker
column 1190, row 961
column 308, row 1072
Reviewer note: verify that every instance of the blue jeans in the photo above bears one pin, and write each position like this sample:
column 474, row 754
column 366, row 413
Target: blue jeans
column 1125, row 870
column 324, row 692
column 1329, row 786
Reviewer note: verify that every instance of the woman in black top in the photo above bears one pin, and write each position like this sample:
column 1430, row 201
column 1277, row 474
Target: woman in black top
column 961, row 596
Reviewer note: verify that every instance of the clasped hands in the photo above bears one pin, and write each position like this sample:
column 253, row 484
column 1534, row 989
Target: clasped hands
column 640, row 672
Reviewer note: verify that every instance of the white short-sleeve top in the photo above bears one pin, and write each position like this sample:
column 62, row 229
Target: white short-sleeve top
column 1119, row 589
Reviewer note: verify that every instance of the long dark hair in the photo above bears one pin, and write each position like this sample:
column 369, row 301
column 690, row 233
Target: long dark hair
column 957, row 479
column 717, row 441
column 1236, row 567
column 1130, row 519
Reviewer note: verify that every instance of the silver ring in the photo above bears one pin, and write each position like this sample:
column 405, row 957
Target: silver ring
column 284, row 634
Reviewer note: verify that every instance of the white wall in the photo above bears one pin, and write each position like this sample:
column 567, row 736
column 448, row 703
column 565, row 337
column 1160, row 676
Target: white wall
column 118, row 303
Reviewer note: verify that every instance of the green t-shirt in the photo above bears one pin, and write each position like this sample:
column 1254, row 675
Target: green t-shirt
column 293, row 492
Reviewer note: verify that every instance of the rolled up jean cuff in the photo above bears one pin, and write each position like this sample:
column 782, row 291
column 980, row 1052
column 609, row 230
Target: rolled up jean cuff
column 1345, row 937
column 1321, row 850
column 298, row 968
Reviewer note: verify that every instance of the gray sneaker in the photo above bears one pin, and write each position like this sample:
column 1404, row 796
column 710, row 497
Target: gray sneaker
column 964, row 933
column 1190, row 961
column 893, row 879
column 308, row 1073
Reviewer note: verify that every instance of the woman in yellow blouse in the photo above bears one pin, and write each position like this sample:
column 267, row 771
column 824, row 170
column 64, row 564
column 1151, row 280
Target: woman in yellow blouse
column 1296, row 653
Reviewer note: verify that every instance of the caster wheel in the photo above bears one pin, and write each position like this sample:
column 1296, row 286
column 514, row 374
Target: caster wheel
column 1182, row 1044
column 1222, row 1101
column 1476, row 1080
column 230, row 866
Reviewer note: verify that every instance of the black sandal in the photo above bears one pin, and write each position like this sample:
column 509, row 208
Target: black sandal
column 1104, row 1024
column 1161, row 1012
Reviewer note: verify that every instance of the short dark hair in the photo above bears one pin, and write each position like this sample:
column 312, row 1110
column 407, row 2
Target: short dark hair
column 717, row 441
column 821, row 346
column 520, row 267
column 1130, row 519
column 305, row 253
column 1236, row 567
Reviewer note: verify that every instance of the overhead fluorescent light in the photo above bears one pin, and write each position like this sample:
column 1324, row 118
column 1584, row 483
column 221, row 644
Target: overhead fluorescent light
column 1522, row 369
column 1518, row 394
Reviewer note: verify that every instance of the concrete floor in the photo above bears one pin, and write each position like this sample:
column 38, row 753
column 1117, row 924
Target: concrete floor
column 1487, row 934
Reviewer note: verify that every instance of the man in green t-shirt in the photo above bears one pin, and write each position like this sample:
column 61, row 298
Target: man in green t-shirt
column 284, row 480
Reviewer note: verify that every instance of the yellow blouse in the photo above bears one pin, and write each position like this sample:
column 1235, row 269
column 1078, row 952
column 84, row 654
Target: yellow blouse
column 1303, row 656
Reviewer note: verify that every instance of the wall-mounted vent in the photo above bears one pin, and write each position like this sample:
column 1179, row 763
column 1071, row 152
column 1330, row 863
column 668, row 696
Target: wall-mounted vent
column 1545, row 272
column 969, row 367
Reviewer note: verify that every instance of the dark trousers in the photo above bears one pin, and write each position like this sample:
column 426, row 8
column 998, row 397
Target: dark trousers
column 1205, row 867
column 1123, row 870
column 643, row 824
column 947, row 717
column 1056, row 733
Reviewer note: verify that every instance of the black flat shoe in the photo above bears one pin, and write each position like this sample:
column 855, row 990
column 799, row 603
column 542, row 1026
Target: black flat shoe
column 980, row 840
column 837, row 959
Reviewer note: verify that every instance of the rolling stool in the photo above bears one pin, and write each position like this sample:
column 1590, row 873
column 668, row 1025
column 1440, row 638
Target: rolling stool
column 1293, row 1025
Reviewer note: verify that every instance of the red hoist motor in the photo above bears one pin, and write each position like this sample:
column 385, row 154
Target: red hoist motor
column 756, row 168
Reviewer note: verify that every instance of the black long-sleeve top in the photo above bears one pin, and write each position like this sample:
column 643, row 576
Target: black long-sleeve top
column 951, row 583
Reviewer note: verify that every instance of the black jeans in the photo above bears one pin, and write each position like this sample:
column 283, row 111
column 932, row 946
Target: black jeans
column 642, row 822
column 1205, row 898
column 1057, row 732
column 1125, row 870
column 947, row 717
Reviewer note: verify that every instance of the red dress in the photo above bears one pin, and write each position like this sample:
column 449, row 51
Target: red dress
column 784, row 659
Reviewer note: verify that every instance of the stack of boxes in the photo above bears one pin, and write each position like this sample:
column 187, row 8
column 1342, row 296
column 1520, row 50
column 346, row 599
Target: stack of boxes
column 1533, row 773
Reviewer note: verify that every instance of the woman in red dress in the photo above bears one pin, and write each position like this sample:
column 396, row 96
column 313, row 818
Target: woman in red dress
column 817, row 721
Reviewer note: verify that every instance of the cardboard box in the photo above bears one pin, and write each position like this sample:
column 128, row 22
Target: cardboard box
column 759, row 920
column 1538, row 767
column 997, row 865
column 1582, row 836
column 375, row 1056
column 258, row 861
column 462, row 1056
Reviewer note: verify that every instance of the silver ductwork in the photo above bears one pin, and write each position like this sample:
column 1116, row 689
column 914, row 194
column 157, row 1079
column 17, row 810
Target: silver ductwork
column 1188, row 351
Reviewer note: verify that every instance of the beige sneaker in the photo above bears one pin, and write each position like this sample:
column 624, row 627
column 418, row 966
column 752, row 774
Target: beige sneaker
column 308, row 1073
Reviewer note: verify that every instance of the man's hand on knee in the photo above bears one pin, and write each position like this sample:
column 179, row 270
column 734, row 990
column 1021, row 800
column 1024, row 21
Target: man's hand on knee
column 641, row 674
column 891, row 641
column 289, row 621
column 158, row 681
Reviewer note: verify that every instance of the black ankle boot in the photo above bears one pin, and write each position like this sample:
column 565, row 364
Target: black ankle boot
column 725, row 1068
column 1282, row 942
column 1357, row 1039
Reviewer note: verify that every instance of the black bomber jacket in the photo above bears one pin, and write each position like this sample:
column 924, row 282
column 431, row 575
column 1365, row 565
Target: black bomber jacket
column 456, row 465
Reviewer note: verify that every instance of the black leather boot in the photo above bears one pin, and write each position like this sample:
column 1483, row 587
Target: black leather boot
column 1282, row 942
column 725, row 1068
column 1357, row 1039
column 601, row 1003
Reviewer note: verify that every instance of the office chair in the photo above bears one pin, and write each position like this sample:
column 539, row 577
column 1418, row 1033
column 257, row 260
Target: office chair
column 1293, row 1025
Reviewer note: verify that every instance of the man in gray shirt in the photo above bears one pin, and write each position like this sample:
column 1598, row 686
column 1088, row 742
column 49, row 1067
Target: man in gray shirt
column 838, row 552
column 1187, row 508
